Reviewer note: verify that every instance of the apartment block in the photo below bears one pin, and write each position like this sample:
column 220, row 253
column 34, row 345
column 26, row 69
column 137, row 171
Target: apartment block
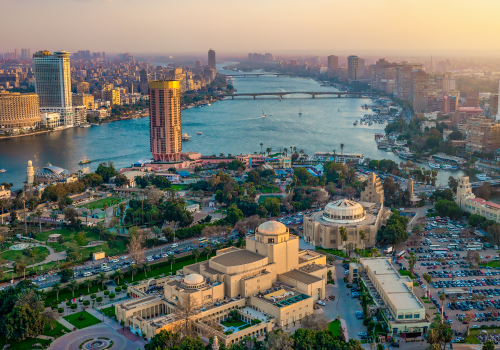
column 483, row 135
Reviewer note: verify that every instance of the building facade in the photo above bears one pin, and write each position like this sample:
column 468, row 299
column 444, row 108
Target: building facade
column 467, row 201
column 211, row 59
column 165, row 120
column 353, row 69
column 53, row 84
column 19, row 111
column 482, row 134
column 333, row 62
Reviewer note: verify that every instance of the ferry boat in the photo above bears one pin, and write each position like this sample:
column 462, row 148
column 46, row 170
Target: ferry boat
column 448, row 167
column 199, row 133
column 483, row 177
column 85, row 161
column 2, row 170
column 434, row 165
column 185, row 137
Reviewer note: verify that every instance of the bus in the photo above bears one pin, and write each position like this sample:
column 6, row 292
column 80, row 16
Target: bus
column 473, row 246
column 452, row 246
column 203, row 239
column 436, row 249
column 400, row 256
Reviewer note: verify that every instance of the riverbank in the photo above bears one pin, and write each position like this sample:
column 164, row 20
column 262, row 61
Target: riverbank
column 30, row 134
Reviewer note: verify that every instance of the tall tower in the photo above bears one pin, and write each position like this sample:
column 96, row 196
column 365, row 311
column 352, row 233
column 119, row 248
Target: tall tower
column 410, row 187
column 352, row 67
column 53, row 84
column 30, row 174
column 333, row 62
column 211, row 59
column 165, row 120
column 464, row 191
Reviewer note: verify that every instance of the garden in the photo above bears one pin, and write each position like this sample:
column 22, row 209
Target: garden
column 82, row 319
column 99, row 204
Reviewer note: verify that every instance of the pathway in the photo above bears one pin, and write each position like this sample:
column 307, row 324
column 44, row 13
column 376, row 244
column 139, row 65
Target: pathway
column 65, row 323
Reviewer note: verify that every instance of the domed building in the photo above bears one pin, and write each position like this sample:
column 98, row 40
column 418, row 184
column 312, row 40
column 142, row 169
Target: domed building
column 270, row 280
column 51, row 173
column 323, row 228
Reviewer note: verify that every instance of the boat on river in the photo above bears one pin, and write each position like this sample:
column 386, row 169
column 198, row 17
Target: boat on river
column 85, row 161
column 199, row 133
column 185, row 137
column 448, row 167
column 434, row 165
column 3, row 170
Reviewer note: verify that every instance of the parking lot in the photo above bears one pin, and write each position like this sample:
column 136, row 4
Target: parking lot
column 449, row 253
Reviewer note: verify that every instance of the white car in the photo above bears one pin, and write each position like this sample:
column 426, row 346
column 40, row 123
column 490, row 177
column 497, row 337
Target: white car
column 115, row 260
column 320, row 303
column 42, row 279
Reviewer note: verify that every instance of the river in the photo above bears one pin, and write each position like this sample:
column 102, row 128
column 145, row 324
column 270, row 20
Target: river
column 229, row 126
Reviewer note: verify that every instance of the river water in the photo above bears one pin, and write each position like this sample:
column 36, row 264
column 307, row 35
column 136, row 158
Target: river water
column 229, row 126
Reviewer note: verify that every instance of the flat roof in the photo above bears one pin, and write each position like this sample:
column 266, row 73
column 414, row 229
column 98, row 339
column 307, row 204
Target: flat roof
column 235, row 258
column 311, row 268
column 393, row 284
column 301, row 276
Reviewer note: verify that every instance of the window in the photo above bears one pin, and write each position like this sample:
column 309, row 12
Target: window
column 416, row 316
column 400, row 317
column 408, row 316
column 270, row 240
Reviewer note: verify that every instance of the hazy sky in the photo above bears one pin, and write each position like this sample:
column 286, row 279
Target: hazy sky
column 241, row 26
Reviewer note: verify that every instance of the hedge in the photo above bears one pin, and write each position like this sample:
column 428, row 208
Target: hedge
column 86, row 302
column 74, row 306
column 99, row 299
column 112, row 295
column 60, row 310
column 118, row 289
column 93, row 296
column 106, row 292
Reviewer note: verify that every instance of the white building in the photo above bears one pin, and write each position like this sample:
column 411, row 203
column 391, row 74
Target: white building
column 52, row 120
column 53, row 84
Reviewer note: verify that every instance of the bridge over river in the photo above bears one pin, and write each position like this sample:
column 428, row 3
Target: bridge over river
column 313, row 94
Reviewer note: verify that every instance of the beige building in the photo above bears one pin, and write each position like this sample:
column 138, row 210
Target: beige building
column 468, row 201
column 19, row 111
column 323, row 228
column 483, row 135
column 270, row 283
column 82, row 87
column 4, row 193
column 402, row 309
column 83, row 100
column 112, row 95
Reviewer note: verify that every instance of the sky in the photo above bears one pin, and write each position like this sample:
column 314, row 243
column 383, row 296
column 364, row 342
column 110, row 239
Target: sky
column 237, row 27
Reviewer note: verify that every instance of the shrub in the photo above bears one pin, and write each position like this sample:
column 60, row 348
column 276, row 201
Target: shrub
column 106, row 292
column 74, row 306
column 99, row 299
column 68, row 303
column 118, row 289
column 86, row 302
column 93, row 296
column 112, row 295
column 60, row 310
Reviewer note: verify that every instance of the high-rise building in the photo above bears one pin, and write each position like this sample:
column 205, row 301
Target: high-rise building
column 211, row 59
column 26, row 54
column 112, row 95
column 420, row 91
column 53, row 84
column 333, row 62
column 83, row 100
column 165, row 120
column 448, row 82
column 19, row 111
column 353, row 68
column 483, row 135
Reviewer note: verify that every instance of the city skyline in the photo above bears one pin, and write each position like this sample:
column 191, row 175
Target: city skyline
column 381, row 26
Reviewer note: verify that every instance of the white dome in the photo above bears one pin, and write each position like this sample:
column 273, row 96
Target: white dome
column 194, row 278
column 272, row 228
column 343, row 210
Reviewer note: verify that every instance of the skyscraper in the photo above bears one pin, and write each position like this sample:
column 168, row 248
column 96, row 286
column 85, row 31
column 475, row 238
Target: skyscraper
column 353, row 67
column 211, row 59
column 53, row 84
column 165, row 120
column 333, row 62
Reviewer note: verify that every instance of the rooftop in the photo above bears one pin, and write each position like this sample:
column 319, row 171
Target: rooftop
column 301, row 276
column 235, row 258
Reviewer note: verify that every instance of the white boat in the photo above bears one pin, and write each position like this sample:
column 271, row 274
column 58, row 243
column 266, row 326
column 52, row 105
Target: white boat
column 85, row 126
column 271, row 114
column 185, row 137
column 300, row 111
column 208, row 104
column 448, row 167
column 199, row 133
column 2, row 170
column 434, row 165
column 94, row 124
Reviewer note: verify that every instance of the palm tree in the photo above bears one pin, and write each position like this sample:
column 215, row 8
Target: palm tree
column 412, row 259
column 374, row 251
column 362, row 235
column 56, row 287
column 196, row 254
column 117, row 275
column 38, row 214
column 53, row 216
column 2, row 206
column 72, row 286
column 104, row 207
column 261, row 144
column 146, row 268
column 101, row 278
column 171, row 260
column 133, row 270
column 156, row 231
column 357, row 251
column 86, row 214
column 87, row 284
column 20, row 266
column 343, row 234
column 122, row 210
column 442, row 297
column 428, row 279
column 208, row 251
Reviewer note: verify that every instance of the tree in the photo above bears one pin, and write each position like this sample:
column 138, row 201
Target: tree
column 38, row 214
column 57, row 287
column 102, row 278
column 50, row 316
column 442, row 297
column 412, row 259
column 488, row 345
column 186, row 309
column 279, row 340
column 428, row 279
column 54, row 217
column 133, row 270
column 316, row 322
column 117, row 275
column 66, row 275
column 343, row 234
column 171, row 260
column 20, row 266
column 135, row 248
column 72, row 286
column 71, row 217
column 87, row 283
column 196, row 254
column 475, row 220
column 146, row 267
column 363, row 236
column 23, row 322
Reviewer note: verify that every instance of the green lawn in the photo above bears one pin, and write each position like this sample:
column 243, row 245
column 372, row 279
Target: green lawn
column 64, row 232
column 406, row 273
column 99, row 203
column 332, row 251
column 58, row 328
column 69, row 238
column 233, row 324
column 270, row 189
column 495, row 263
column 119, row 247
column 109, row 311
column 88, row 320
column 18, row 254
column 263, row 197
column 179, row 187
column 334, row 326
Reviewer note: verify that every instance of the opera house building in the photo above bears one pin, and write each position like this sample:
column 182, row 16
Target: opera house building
column 269, row 283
